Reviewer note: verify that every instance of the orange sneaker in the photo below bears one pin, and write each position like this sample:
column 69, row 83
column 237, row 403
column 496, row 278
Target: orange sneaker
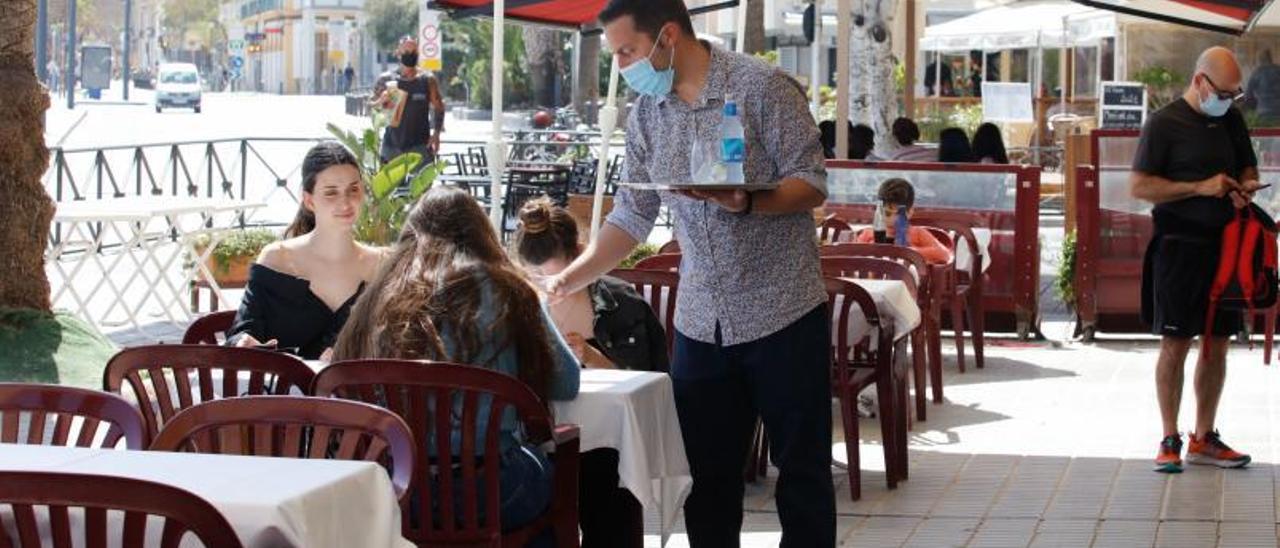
column 1169, row 459
column 1209, row 449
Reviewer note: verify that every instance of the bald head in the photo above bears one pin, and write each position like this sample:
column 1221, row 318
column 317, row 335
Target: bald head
column 1220, row 65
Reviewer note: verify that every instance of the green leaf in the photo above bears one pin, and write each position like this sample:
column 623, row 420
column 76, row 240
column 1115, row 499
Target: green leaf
column 392, row 174
column 371, row 145
column 421, row 183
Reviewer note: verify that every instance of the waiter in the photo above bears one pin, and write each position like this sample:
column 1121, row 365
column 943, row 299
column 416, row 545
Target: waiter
column 422, row 121
column 1195, row 162
column 752, row 328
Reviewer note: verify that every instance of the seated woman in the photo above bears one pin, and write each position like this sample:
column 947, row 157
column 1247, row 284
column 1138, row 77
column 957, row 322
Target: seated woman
column 988, row 145
column 608, row 324
column 449, row 293
column 301, row 289
column 895, row 194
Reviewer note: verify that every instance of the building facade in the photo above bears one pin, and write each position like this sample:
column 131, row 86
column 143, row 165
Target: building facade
column 300, row 46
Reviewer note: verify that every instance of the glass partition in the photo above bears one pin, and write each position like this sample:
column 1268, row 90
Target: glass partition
column 934, row 189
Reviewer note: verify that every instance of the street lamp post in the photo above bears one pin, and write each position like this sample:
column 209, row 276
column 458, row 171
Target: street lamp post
column 128, row 38
column 70, row 77
column 42, row 40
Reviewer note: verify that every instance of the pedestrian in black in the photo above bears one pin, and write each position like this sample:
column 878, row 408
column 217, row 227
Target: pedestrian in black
column 422, row 120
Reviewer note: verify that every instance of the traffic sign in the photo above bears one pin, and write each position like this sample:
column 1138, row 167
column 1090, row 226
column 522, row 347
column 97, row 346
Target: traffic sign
column 237, row 62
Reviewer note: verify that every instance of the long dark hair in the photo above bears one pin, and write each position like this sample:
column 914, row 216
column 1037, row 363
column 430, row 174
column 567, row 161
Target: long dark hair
column 987, row 143
column 953, row 146
column 435, row 281
column 546, row 232
column 321, row 157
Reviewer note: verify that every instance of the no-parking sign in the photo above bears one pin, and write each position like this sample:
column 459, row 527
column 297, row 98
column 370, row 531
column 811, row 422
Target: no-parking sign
column 430, row 39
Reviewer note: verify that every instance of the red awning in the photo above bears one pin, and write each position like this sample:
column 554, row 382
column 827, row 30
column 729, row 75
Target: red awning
column 1229, row 16
column 567, row 13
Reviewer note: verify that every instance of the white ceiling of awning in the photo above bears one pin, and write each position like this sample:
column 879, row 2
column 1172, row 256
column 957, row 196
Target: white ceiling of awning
column 1022, row 25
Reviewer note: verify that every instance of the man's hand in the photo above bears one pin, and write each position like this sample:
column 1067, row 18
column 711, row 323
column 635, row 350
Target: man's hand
column 247, row 341
column 733, row 201
column 1217, row 186
column 1244, row 196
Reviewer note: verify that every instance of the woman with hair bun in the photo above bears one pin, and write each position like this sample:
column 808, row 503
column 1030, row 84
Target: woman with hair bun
column 301, row 289
column 608, row 325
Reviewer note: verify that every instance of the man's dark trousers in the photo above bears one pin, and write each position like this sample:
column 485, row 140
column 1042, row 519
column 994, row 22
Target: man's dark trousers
column 784, row 378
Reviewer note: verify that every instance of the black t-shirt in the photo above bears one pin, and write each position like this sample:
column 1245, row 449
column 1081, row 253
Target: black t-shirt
column 415, row 121
column 1182, row 145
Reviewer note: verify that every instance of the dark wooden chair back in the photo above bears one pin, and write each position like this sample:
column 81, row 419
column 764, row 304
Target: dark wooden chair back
column 832, row 228
column 168, row 378
column 669, row 262
column 438, row 399
column 672, row 246
column 210, row 328
column 872, row 268
column 52, row 411
column 182, row 512
column 659, row 287
column 298, row 427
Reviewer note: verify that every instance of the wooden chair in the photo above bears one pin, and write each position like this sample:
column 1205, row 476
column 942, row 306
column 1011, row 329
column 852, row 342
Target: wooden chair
column 298, row 427
column 928, row 334
column 64, row 405
column 437, row 399
column 832, row 228
column 659, row 287
column 857, row 365
column 182, row 512
column 672, row 246
column 881, row 269
column 210, row 328
column 168, row 378
column 669, row 262
column 965, row 291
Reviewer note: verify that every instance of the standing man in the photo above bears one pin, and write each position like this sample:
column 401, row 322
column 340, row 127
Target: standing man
column 752, row 326
column 1195, row 162
column 422, row 121
column 348, row 76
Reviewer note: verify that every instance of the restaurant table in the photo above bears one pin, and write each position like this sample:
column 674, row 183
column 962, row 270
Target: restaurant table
column 893, row 302
column 80, row 235
column 964, row 259
column 633, row 412
column 270, row 502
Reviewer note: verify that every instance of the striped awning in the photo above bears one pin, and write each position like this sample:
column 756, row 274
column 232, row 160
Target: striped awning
column 1227, row 16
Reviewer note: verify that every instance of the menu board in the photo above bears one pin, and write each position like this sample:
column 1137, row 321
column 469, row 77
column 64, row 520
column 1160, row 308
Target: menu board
column 1123, row 105
column 1007, row 102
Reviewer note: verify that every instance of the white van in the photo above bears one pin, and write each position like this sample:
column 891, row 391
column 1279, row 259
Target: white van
column 178, row 85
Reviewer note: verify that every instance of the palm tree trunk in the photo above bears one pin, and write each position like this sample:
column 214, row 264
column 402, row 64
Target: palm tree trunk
column 25, row 208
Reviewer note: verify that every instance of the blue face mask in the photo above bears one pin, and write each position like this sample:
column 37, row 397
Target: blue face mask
column 1214, row 106
column 646, row 80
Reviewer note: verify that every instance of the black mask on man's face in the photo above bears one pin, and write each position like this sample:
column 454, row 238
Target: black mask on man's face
column 409, row 58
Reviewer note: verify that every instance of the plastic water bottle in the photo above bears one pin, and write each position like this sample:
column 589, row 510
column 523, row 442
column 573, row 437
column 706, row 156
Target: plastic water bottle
column 733, row 144
column 877, row 226
column 900, row 228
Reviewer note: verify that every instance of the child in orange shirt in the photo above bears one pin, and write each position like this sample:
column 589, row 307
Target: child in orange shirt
column 895, row 194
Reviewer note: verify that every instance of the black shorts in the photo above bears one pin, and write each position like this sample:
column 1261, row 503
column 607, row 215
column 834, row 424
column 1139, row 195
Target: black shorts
column 1177, row 274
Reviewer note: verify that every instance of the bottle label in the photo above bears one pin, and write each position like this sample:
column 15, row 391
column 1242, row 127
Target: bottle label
column 733, row 151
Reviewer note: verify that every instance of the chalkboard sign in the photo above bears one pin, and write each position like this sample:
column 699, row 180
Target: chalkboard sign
column 1121, row 119
column 1115, row 94
column 1123, row 105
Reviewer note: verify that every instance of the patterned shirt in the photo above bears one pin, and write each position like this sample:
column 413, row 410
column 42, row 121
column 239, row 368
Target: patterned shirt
column 750, row 275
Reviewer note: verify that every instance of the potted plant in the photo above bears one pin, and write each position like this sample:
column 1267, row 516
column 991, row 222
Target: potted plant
column 229, row 262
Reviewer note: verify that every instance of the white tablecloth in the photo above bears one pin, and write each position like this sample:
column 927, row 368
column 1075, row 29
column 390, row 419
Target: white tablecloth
column 271, row 502
column 635, row 413
column 893, row 301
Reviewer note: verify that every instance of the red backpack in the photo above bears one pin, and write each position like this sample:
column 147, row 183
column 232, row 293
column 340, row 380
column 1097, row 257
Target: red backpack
column 1246, row 278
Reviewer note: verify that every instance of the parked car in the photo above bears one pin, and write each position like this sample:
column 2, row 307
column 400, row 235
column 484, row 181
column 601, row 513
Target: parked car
column 178, row 86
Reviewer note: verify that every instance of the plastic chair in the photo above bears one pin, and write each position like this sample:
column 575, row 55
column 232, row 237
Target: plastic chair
column 182, row 511
column 667, row 262
column 437, row 399
column 832, row 228
column 672, row 246
column 65, row 404
column 207, row 328
column 161, row 376
column 925, row 337
column 967, row 288
column 659, row 287
column 859, row 364
column 298, row 427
